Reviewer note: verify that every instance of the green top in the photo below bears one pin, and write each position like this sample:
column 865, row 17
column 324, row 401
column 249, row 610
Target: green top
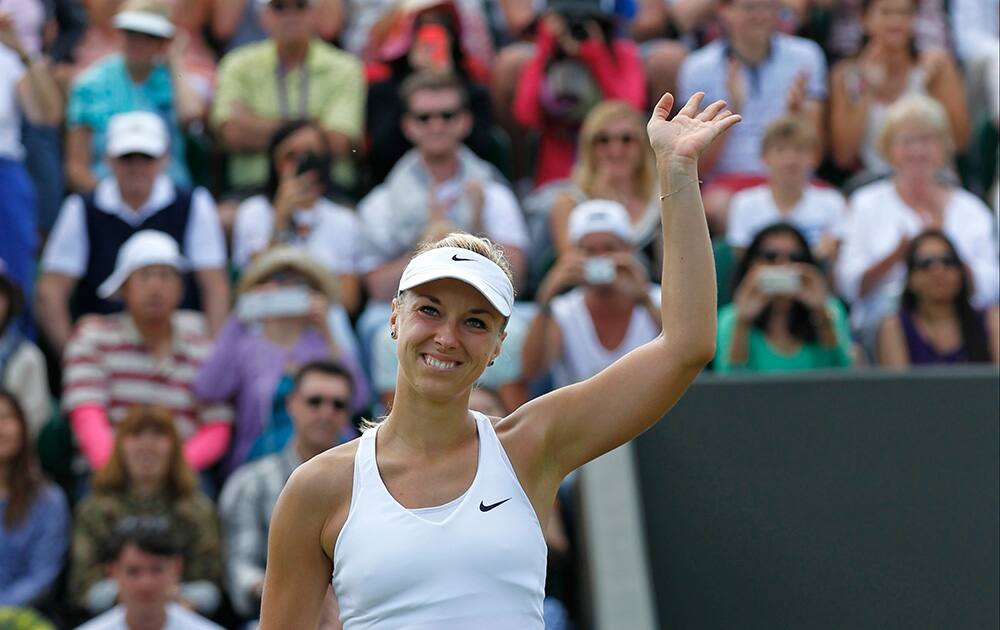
column 763, row 357
column 334, row 89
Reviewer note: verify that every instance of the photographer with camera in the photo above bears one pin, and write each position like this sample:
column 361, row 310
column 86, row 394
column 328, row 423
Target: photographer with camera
column 783, row 316
column 610, row 309
column 295, row 209
column 581, row 58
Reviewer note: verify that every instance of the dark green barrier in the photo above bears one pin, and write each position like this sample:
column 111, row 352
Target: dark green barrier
column 864, row 500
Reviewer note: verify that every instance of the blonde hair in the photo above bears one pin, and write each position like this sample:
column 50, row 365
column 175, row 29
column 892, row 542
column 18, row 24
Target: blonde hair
column 113, row 478
column 919, row 109
column 478, row 244
column 789, row 128
column 599, row 117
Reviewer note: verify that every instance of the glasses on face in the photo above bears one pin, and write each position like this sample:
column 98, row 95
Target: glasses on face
column 315, row 402
column 447, row 115
column 779, row 256
column 926, row 262
column 604, row 139
column 289, row 6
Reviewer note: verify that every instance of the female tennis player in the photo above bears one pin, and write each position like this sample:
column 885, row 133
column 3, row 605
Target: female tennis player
column 433, row 520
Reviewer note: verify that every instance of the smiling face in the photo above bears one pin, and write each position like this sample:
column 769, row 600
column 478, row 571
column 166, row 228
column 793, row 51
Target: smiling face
column 447, row 334
column 936, row 272
column 916, row 150
column 617, row 149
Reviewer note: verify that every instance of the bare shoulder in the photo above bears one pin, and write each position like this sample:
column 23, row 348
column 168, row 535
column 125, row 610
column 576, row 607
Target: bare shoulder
column 320, row 489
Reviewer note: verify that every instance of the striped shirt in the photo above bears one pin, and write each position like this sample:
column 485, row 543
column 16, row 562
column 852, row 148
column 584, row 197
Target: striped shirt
column 108, row 364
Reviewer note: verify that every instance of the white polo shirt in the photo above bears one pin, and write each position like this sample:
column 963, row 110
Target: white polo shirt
column 178, row 618
column 68, row 249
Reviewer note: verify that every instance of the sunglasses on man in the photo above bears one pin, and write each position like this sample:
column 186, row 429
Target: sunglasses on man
column 446, row 115
column 315, row 402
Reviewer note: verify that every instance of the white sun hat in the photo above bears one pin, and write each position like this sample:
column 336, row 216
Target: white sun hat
column 146, row 22
column 137, row 132
column 145, row 248
column 461, row 264
column 599, row 215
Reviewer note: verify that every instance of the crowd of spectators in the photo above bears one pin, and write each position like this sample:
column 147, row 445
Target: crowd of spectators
column 207, row 205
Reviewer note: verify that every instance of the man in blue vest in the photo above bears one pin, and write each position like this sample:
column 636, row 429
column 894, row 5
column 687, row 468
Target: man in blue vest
column 81, row 250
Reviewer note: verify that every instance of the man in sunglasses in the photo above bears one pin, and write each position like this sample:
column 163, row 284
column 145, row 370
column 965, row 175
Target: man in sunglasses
column 319, row 406
column 92, row 227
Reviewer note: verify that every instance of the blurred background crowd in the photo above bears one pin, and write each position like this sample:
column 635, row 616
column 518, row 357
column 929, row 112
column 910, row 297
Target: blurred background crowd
column 206, row 205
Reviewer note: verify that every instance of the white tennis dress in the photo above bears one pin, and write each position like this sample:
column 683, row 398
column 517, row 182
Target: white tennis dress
column 475, row 562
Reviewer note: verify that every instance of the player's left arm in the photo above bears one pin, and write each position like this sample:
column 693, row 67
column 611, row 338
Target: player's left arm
column 573, row 425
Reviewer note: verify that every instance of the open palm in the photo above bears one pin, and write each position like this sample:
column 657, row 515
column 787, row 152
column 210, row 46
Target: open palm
column 690, row 132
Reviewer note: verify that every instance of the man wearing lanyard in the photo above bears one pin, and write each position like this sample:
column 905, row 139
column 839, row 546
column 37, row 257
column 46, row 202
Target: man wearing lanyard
column 291, row 75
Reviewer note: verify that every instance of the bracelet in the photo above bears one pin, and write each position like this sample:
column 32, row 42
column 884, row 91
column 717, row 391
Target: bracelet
column 683, row 186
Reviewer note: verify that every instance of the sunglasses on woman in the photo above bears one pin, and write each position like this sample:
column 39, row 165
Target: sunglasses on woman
column 774, row 256
column 315, row 402
column 604, row 139
column 927, row 262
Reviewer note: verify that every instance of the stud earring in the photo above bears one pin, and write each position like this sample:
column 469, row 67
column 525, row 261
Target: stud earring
column 491, row 363
column 392, row 333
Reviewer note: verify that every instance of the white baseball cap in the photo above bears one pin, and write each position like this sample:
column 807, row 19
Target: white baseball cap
column 461, row 264
column 145, row 248
column 146, row 22
column 599, row 215
column 137, row 132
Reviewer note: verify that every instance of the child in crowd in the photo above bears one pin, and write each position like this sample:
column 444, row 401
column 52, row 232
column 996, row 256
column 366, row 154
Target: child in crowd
column 791, row 151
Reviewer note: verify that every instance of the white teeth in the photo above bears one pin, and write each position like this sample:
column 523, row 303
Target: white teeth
column 440, row 365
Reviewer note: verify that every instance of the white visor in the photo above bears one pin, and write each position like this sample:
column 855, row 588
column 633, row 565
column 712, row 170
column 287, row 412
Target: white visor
column 144, row 22
column 461, row 264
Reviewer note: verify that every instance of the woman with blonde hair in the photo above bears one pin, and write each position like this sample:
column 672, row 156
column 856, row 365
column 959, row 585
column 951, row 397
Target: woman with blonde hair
column 435, row 518
column 286, row 315
column 885, row 216
column 614, row 161
column 146, row 478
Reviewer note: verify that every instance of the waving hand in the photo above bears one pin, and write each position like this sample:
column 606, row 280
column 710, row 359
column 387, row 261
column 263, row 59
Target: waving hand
column 690, row 132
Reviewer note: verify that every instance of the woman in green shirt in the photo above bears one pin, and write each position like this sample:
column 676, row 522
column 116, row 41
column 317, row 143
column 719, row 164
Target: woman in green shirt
column 782, row 317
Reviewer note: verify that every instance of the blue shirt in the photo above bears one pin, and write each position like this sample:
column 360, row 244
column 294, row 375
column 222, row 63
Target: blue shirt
column 32, row 554
column 106, row 89
column 766, row 95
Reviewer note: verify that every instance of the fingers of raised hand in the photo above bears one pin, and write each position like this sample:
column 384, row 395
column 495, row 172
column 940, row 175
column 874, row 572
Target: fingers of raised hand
column 712, row 111
column 690, row 108
column 664, row 106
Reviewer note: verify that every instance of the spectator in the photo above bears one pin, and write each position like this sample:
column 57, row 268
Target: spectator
column 145, row 565
column 282, row 321
column 761, row 74
column 429, row 39
column 146, row 481
column 296, row 210
column 34, row 517
column 25, row 86
column 237, row 22
column 884, row 216
column 614, row 161
column 22, row 366
column 611, row 309
column 886, row 69
column 291, row 75
column 437, row 187
column 148, row 76
column 782, row 316
column 580, row 59
column 319, row 405
column 936, row 322
column 790, row 149
column 660, row 28
column 92, row 227
column 147, row 355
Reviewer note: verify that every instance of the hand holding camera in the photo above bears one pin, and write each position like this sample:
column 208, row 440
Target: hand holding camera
column 300, row 186
column 569, row 271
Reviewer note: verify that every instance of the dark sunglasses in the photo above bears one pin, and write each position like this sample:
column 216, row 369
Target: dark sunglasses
column 926, row 263
column 338, row 404
column 774, row 255
column 425, row 117
column 289, row 6
column 605, row 139
column 136, row 157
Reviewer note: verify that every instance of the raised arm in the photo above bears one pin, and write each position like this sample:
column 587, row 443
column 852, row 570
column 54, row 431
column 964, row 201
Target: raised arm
column 583, row 421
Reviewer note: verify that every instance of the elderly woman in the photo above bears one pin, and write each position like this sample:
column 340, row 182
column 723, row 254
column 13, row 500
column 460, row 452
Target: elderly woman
column 146, row 479
column 884, row 216
column 614, row 161
column 286, row 315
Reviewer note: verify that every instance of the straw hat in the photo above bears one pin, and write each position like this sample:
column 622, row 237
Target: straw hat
column 288, row 257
